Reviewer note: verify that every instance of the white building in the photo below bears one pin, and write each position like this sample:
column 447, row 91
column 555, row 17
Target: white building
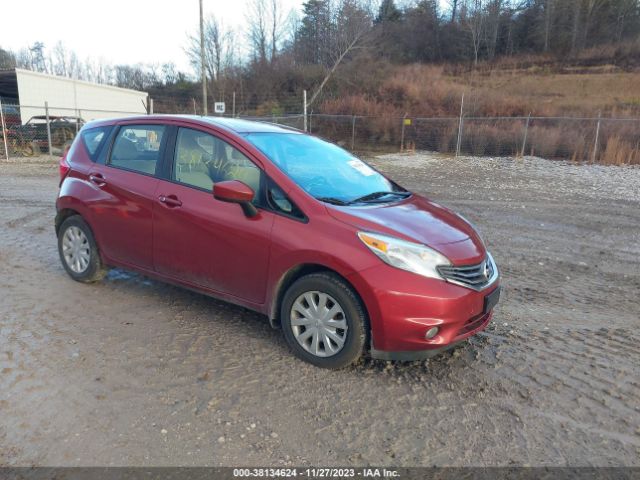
column 66, row 96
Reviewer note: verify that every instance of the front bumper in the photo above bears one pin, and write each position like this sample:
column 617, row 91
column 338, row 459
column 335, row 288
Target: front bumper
column 402, row 306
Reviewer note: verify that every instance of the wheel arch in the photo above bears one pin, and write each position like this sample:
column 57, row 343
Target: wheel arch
column 68, row 212
column 63, row 214
column 299, row 271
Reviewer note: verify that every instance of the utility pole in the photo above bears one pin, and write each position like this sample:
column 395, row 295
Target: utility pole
column 460, row 124
column 304, row 109
column 202, row 65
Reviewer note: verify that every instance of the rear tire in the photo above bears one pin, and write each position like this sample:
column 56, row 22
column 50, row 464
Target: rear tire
column 79, row 252
column 324, row 321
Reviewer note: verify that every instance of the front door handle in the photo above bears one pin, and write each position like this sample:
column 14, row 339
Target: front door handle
column 170, row 201
column 98, row 179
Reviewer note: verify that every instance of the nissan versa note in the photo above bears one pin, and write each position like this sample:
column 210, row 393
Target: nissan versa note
column 340, row 257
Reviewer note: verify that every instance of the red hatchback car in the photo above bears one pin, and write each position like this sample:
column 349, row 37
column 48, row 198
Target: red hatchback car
column 340, row 257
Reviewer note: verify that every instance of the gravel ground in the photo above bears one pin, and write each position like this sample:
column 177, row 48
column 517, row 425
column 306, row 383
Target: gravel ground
column 132, row 371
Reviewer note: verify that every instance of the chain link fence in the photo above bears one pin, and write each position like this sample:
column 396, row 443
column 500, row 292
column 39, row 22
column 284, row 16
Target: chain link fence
column 31, row 131
column 28, row 131
column 596, row 140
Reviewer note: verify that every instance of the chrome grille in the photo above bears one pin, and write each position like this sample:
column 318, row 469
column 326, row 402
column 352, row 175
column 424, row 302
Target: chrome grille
column 477, row 276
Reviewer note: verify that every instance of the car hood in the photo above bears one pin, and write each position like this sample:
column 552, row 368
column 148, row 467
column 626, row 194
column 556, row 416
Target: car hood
column 419, row 220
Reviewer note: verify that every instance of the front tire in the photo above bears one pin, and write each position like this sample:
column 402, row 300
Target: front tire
column 324, row 321
column 79, row 252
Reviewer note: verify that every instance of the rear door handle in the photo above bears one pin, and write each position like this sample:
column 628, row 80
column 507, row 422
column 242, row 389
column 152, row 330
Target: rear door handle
column 170, row 201
column 97, row 178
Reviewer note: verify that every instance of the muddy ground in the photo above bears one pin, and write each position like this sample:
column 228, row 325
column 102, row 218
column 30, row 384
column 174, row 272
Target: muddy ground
column 132, row 371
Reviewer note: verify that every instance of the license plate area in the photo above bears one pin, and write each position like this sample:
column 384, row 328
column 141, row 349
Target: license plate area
column 491, row 300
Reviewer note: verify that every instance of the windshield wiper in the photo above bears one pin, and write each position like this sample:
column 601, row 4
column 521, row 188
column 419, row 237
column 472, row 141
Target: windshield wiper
column 333, row 201
column 376, row 195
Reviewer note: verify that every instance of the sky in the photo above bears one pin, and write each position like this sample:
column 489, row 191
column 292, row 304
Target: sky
column 118, row 31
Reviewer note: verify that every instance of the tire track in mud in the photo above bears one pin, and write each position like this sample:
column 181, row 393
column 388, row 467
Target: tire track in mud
column 98, row 383
column 30, row 217
column 581, row 384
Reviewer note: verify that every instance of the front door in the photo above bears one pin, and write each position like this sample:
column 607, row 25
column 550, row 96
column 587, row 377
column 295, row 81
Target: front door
column 204, row 241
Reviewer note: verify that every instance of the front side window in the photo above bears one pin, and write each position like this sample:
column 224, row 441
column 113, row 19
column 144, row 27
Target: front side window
column 202, row 160
column 280, row 202
column 325, row 170
column 137, row 148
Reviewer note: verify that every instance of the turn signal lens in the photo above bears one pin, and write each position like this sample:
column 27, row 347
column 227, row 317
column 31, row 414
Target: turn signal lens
column 373, row 242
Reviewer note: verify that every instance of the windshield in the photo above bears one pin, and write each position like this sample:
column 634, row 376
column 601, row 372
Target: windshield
column 325, row 170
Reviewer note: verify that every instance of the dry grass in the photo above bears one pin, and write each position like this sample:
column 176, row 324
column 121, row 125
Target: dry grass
column 620, row 152
column 426, row 90
column 512, row 89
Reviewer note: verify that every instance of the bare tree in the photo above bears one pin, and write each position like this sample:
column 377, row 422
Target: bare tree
column 352, row 23
column 575, row 31
column 454, row 9
column 472, row 17
column 591, row 9
column 219, row 52
column 624, row 10
column 494, row 10
column 278, row 26
column 266, row 26
column 257, row 29
column 7, row 59
column 549, row 7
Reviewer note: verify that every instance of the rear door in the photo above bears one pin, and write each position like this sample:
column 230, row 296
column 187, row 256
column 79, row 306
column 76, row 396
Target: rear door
column 204, row 241
column 123, row 212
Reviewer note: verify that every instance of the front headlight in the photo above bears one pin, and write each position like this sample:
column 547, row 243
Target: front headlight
column 409, row 256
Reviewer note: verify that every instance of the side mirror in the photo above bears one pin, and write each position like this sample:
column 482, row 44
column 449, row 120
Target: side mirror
column 235, row 191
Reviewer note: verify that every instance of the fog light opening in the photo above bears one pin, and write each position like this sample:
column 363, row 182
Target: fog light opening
column 432, row 332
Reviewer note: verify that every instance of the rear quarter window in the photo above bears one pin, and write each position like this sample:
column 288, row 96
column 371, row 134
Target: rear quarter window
column 94, row 140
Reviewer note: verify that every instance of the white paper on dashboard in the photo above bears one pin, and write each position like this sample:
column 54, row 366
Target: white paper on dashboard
column 362, row 167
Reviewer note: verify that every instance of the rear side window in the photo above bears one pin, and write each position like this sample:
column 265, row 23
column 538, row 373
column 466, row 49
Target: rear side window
column 137, row 148
column 94, row 140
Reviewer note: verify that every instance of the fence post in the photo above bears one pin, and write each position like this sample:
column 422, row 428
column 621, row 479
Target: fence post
column 402, row 134
column 233, row 105
column 526, row 130
column 353, row 132
column 4, row 131
column 46, row 112
column 304, row 108
column 595, row 145
column 458, row 144
column 150, row 106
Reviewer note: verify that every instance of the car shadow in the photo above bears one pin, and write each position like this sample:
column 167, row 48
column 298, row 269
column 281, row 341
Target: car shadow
column 207, row 310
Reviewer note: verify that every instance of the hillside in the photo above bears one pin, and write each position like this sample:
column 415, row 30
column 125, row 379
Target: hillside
column 604, row 80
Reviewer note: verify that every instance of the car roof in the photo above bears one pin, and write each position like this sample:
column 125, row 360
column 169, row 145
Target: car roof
column 235, row 125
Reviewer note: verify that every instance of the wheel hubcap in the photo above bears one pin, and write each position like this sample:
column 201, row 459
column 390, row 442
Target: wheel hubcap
column 76, row 250
column 319, row 324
